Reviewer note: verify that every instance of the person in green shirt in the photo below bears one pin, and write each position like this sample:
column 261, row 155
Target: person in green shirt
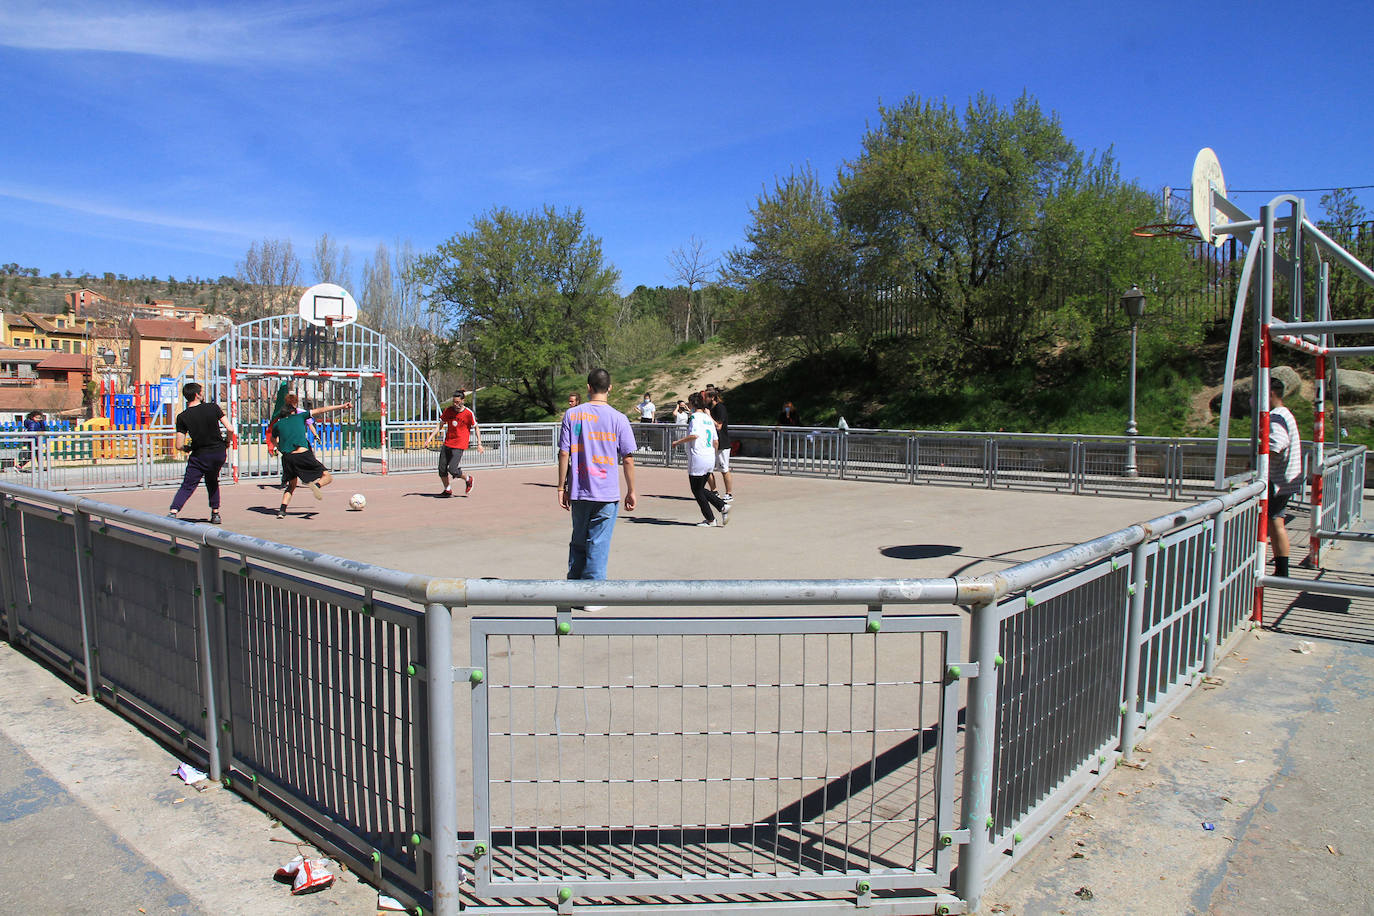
column 298, row 461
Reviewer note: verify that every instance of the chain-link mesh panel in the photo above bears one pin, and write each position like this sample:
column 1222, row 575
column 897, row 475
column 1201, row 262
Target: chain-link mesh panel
column 146, row 623
column 51, row 609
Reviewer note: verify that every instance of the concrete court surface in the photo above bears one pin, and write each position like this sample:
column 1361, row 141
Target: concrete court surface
column 781, row 527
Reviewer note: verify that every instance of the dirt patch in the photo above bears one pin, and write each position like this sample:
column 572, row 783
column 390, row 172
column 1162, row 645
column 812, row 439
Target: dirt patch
column 728, row 371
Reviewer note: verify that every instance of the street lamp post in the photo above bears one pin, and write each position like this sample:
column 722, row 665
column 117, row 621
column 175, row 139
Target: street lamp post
column 1133, row 304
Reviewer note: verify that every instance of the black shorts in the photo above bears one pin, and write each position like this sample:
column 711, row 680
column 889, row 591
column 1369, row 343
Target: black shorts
column 1277, row 501
column 451, row 460
column 302, row 466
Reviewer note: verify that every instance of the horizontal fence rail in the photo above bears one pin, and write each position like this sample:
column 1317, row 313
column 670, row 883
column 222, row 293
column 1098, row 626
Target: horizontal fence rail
column 76, row 460
column 896, row 756
column 1095, row 465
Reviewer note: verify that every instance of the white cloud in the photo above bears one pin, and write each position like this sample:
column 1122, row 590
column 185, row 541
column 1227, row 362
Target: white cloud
column 220, row 229
column 239, row 33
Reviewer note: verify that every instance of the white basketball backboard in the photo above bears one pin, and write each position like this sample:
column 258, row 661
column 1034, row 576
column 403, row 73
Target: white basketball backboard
column 1207, row 181
column 328, row 304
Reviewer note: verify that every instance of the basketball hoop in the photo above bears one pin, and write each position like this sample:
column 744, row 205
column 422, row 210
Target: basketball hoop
column 1167, row 231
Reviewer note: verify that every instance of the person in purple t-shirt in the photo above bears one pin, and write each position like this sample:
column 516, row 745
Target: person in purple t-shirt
column 593, row 439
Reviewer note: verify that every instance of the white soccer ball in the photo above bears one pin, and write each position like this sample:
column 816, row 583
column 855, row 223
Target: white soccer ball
column 357, row 501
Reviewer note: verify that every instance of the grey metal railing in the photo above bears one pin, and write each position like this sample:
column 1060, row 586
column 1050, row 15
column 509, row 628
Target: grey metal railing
column 791, row 758
column 1342, row 492
column 1172, row 468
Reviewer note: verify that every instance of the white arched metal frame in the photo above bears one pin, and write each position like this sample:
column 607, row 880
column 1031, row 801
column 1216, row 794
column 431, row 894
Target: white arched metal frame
column 286, row 347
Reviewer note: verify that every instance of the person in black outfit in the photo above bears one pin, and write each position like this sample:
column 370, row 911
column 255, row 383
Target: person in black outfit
column 715, row 402
column 789, row 417
column 206, row 448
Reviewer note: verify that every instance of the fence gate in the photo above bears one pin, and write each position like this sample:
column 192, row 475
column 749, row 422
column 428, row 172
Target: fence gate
column 755, row 758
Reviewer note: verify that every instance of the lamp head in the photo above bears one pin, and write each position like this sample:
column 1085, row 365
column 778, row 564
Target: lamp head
column 1133, row 303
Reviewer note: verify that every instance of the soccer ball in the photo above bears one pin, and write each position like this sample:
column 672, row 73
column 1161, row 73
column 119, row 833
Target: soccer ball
column 357, row 501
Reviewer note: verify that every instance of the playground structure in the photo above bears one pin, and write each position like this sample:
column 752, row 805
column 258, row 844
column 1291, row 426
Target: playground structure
column 1276, row 264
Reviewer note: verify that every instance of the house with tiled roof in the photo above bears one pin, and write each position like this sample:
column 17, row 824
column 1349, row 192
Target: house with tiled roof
column 47, row 332
column 36, row 379
column 87, row 303
column 163, row 348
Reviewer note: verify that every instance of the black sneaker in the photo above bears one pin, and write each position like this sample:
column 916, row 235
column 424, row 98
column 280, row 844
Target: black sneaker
column 281, row 512
column 446, row 494
column 215, row 519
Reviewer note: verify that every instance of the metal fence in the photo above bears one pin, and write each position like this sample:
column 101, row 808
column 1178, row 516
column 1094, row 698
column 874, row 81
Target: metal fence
column 802, row 750
column 1171, row 468
column 1342, row 492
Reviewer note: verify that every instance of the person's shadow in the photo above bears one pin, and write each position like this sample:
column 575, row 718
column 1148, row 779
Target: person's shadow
column 651, row 520
column 290, row 513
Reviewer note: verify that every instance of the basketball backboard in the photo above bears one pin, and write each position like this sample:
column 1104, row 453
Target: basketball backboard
column 328, row 304
column 1207, row 184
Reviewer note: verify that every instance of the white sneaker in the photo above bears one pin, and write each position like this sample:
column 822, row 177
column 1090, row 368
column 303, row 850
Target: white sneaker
column 705, row 524
column 724, row 515
column 589, row 608
column 727, row 497
column 315, row 489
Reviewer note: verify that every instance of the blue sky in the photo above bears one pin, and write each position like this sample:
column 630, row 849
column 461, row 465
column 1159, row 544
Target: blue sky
column 163, row 138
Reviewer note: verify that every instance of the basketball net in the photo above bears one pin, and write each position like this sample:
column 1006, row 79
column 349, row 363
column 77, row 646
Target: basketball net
column 1167, row 231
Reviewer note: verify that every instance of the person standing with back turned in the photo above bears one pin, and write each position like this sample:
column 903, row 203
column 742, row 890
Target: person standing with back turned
column 593, row 438
column 198, row 435
column 1285, row 472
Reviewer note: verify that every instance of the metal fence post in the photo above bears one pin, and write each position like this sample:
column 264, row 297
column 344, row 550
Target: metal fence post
column 1215, row 556
column 980, row 735
column 1130, row 712
column 442, row 765
column 9, row 605
column 207, row 566
column 85, row 588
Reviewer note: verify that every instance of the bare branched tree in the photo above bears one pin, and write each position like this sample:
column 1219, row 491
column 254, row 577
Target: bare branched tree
column 376, row 299
column 332, row 264
column 272, row 272
column 690, row 267
column 416, row 327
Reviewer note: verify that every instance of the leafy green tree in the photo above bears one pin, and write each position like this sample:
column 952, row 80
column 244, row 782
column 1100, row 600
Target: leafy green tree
column 1347, row 223
column 524, row 292
column 948, row 205
column 794, row 274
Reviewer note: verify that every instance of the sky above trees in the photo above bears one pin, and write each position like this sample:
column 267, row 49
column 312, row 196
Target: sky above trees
column 164, row 138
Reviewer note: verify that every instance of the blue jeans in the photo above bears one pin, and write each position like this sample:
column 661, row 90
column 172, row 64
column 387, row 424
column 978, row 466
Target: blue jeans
column 590, row 547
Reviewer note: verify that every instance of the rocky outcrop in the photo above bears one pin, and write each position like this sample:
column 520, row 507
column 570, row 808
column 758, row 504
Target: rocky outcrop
column 1240, row 395
column 1356, row 387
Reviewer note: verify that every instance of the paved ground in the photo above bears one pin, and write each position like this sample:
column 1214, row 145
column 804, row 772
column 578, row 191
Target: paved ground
column 1275, row 757
column 1264, row 756
column 782, row 527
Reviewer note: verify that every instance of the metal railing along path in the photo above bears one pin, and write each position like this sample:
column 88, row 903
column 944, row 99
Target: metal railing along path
column 802, row 750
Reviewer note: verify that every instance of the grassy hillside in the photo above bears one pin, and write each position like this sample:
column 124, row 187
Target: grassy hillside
column 874, row 393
